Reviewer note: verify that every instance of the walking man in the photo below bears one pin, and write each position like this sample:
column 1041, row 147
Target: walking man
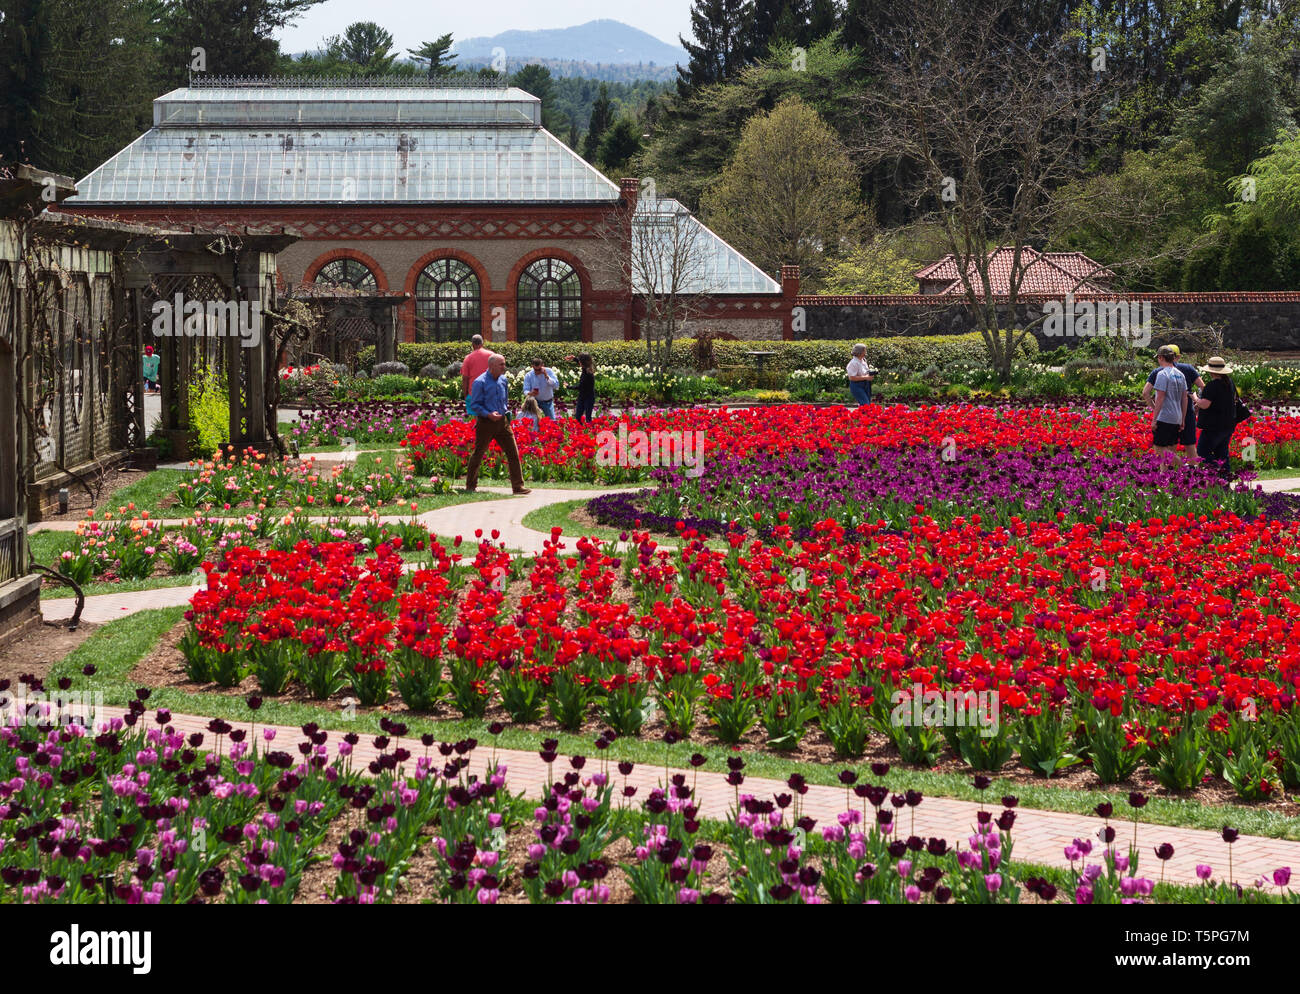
column 487, row 402
column 1169, row 407
column 541, row 383
column 1194, row 383
column 860, row 376
column 472, row 367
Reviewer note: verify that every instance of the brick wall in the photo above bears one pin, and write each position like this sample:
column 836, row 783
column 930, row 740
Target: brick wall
column 1262, row 321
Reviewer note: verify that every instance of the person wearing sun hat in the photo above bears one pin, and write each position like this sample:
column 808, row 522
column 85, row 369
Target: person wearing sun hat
column 1217, row 415
column 1187, row 437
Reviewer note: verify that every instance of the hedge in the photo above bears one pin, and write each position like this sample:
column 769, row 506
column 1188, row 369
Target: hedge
column 911, row 353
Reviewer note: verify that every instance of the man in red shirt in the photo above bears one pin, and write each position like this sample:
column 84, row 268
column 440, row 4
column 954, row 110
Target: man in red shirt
column 472, row 367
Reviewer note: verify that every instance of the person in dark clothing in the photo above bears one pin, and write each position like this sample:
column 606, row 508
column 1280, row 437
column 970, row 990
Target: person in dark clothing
column 586, row 401
column 1217, row 415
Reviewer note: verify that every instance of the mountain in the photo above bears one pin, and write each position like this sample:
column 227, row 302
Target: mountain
column 604, row 42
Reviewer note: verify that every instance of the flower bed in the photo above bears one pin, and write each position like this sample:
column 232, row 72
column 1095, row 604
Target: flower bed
column 254, row 481
column 135, row 548
column 141, row 813
column 1111, row 644
column 562, row 450
column 372, row 421
column 889, row 484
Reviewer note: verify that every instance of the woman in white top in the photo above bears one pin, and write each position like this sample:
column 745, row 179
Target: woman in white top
column 860, row 376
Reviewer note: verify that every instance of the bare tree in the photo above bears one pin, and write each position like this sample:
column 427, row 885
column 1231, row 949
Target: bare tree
column 663, row 256
column 981, row 124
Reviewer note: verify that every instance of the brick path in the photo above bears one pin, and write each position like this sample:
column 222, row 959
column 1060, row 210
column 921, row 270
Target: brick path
column 1038, row 836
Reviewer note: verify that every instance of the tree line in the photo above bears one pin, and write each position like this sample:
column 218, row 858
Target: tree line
column 1157, row 137
column 807, row 130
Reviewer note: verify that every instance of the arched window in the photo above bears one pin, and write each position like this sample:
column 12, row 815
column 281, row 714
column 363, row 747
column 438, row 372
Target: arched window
column 550, row 302
column 446, row 302
column 347, row 272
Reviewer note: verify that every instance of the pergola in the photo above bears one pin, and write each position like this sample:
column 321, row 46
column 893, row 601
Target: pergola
column 236, row 267
column 351, row 317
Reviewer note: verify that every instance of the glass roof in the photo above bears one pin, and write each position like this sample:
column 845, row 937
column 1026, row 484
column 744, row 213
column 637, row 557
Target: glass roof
column 354, row 103
column 707, row 264
column 273, row 141
column 338, row 165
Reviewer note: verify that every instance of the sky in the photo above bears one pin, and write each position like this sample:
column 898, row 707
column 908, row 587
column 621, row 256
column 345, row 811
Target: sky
column 414, row 21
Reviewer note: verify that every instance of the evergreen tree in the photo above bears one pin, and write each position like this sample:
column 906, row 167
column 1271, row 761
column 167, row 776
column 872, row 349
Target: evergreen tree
column 236, row 37
column 437, row 54
column 75, row 79
column 366, row 47
column 721, row 29
column 619, row 145
column 537, row 81
column 601, row 115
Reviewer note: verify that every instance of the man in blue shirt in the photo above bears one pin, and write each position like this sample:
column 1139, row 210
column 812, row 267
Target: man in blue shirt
column 541, row 383
column 487, row 402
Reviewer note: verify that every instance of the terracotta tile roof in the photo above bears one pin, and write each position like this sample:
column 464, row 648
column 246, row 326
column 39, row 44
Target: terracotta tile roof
column 1079, row 265
column 1050, row 272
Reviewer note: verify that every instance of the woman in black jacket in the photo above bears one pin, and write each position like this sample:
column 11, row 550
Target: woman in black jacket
column 586, row 401
column 1216, row 415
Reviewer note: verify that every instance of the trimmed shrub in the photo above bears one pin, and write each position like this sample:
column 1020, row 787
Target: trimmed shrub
column 912, row 353
column 398, row 368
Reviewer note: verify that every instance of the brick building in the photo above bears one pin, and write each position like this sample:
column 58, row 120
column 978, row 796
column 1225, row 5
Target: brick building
column 453, row 194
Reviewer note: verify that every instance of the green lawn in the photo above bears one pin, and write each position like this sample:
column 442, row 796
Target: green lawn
column 119, row 645
column 1290, row 472
column 148, row 493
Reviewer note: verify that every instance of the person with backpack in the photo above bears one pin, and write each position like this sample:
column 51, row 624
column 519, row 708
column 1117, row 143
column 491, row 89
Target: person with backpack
column 1217, row 416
